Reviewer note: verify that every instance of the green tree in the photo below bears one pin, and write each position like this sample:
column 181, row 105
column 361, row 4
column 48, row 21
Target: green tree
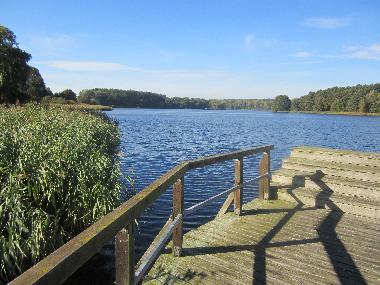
column 373, row 101
column 281, row 103
column 67, row 94
column 13, row 68
column 295, row 105
column 363, row 105
column 35, row 87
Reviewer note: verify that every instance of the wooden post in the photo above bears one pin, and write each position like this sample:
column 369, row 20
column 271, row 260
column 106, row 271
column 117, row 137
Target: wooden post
column 238, row 194
column 264, row 185
column 178, row 207
column 125, row 256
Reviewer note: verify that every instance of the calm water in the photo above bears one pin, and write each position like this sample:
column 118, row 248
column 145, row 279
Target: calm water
column 153, row 141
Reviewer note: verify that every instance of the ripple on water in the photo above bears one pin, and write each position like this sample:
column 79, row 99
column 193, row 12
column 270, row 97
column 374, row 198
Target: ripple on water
column 153, row 141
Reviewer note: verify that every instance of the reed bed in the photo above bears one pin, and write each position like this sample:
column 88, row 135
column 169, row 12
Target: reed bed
column 59, row 173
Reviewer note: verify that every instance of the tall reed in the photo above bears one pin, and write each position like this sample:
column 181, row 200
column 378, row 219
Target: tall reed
column 59, row 173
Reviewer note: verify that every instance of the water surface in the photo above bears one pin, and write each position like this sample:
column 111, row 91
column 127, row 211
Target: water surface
column 153, row 141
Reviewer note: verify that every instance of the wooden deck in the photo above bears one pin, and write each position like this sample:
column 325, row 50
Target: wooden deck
column 276, row 242
column 325, row 229
column 316, row 222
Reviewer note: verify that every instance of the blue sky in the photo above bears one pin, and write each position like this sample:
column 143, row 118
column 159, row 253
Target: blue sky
column 208, row 49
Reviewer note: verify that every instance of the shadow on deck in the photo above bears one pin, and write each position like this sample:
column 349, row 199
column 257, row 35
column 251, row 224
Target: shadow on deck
column 277, row 242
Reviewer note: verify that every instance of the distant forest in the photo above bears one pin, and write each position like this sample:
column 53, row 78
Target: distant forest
column 140, row 99
column 359, row 98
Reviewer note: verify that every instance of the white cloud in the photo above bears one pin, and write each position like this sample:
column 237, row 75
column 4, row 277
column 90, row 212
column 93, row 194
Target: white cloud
column 325, row 23
column 100, row 66
column 303, row 54
column 371, row 52
column 249, row 41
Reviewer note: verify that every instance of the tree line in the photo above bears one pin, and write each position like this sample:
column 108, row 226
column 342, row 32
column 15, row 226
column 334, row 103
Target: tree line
column 359, row 98
column 140, row 99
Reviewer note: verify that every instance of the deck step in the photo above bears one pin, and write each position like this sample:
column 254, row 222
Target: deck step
column 295, row 178
column 358, row 172
column 339, row 156
column 328, row 199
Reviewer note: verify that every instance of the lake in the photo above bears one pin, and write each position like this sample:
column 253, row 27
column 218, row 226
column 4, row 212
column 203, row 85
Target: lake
column 153, row 141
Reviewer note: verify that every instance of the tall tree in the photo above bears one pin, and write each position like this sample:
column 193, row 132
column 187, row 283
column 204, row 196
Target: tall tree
column 67, row 94
column 13, row 68
column 281, row 103
column 35, row 85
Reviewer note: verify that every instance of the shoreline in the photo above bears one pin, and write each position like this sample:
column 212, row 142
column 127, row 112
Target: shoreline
column 336, row 113
column 260, row 110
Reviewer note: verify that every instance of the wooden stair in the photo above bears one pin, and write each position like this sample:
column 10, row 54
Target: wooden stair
column 338, row 179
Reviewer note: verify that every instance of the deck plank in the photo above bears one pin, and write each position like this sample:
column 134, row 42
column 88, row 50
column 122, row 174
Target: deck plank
column 275, row 242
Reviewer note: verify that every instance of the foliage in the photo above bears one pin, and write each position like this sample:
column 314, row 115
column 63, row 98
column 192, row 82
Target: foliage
column 359, row 98
column 67, row 94
column 248, row 104
column 139, row 99
column 70, row 104
column 281, row 103
column 122, row 98
column 35, row 88
column 13, row 68
column 59, row 173
column 56, row 100
column 19, row 82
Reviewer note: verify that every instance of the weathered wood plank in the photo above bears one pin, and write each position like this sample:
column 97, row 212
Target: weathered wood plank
column 227, row 203
column 238, row 194
column 294, row 255
column 264, row 182
column 152, row 255
column 228, row 156
column 125, row 256
column 178, row 207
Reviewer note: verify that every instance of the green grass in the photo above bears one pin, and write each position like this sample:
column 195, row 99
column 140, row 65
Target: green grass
column 82, row 106
column 337, row 113
column 73, row 105
column 59, row 173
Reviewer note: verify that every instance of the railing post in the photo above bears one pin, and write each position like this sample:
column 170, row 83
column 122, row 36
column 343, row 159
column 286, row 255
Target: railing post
column 264, row 183
column 125, row 256
column 238, row 194
column 178, row 207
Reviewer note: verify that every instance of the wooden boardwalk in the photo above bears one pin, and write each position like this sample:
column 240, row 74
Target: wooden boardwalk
column 316, row 233
column 316, row 222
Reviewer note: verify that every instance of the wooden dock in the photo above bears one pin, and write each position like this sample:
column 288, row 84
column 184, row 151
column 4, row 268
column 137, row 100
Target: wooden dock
column 324, row 228
column 316, row 222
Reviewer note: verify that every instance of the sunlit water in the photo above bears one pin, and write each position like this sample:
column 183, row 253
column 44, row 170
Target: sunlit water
column 153, row 141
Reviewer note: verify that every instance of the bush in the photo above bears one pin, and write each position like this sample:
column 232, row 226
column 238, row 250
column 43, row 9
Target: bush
column 281, row 103
column 59, row 173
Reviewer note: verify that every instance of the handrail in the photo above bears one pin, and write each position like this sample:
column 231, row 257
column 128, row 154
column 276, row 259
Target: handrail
column 206, row 202
column 62, row 263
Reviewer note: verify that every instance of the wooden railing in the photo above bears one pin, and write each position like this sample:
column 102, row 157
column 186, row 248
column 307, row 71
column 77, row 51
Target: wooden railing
column 62, row 263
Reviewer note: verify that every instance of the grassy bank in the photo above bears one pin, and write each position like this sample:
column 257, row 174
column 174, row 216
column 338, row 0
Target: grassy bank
column 81, row 106
column 72, row 105
column 59, row 173
column 337, row 113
